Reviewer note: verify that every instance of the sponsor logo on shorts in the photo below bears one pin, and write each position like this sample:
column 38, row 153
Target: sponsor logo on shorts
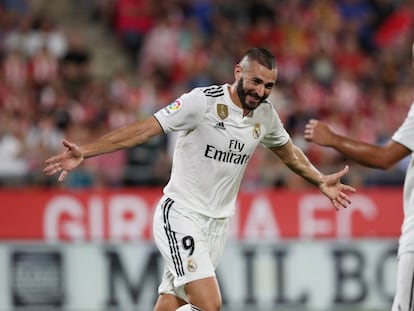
column 173, row 107
column 191, row 265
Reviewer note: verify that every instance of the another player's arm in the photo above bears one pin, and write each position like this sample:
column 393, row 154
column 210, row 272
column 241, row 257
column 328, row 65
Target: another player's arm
column 370, row 155
column 367, row 154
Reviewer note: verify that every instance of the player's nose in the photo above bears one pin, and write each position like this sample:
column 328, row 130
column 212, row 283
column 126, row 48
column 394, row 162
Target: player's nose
column 260, row 90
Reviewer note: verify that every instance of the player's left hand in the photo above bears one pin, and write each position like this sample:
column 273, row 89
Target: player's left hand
column 335, row 190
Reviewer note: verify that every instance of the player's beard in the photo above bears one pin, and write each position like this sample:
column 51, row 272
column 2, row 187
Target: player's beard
column 243, row 93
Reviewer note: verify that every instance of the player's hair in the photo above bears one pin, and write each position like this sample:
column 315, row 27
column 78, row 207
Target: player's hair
column 261, row 55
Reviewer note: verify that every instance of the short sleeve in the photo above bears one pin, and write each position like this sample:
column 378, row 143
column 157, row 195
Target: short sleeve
column 184, row 113
column 405, row 134
column 277, row 135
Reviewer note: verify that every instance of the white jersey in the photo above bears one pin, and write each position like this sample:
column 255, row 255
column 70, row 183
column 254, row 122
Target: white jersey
column 405, row 136
column 214, row 145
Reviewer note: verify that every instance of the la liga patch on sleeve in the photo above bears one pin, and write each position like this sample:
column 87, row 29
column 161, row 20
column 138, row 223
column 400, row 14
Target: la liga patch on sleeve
column 173, row 107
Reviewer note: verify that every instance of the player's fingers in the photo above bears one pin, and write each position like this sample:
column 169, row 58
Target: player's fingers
column 62, row 175
column 342, row 172
column 67, row 144
column 335, row 204
column 341, row 203
column 52, row 168
column 311, row 122
column 345, row 198
column 346, row 169
column 348, row 188
column 52, row 160
column 49, row 170
column 308, row 134
column 309, row 127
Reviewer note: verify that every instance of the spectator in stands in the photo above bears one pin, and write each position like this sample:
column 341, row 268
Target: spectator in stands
column 335, row 54
column 13, row 165
column 133, row 20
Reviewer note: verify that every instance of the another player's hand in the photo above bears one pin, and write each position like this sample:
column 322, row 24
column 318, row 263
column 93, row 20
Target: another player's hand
column 335, row 190
column 65, row 161
column 319, row 132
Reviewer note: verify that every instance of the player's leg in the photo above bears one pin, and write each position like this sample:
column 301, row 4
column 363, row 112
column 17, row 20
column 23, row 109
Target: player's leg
column 204, row 294
column 168, row 302
column 404, row 297
column 188, row 307
column 182, row 238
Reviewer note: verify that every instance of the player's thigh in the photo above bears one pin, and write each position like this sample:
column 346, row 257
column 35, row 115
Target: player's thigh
column 168, row 302
column 204, row 294
column 404, row 297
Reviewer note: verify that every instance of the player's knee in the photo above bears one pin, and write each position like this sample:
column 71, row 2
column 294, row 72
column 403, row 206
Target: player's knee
column 189, row 307
column 204, row 294
column 209, row 305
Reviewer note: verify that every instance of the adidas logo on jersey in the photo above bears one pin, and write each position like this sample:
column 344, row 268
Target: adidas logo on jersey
column 220, row 126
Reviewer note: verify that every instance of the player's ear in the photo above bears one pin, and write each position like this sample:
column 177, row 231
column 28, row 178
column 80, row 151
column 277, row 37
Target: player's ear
column 237, row 72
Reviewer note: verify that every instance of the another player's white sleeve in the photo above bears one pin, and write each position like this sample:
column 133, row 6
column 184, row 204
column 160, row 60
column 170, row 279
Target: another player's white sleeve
column 404, row 135
column 277, row 135
column 184, row 113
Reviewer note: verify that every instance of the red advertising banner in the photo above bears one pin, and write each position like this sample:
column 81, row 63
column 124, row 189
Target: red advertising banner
column 126, row 215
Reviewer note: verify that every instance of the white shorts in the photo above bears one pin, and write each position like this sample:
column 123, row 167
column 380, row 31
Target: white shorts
column 404, row 297
column 190, row 243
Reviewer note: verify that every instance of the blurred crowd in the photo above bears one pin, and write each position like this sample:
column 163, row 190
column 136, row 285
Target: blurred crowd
column 347, row 62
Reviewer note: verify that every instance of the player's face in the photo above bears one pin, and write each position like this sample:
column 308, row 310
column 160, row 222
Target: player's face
column 255, row 85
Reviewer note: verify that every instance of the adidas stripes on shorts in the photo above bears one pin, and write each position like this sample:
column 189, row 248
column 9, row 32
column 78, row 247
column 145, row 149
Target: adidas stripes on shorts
column 190, row 243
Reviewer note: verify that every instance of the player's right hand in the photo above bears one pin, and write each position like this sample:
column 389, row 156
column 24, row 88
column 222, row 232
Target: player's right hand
column 319, row 132
column 65, row 161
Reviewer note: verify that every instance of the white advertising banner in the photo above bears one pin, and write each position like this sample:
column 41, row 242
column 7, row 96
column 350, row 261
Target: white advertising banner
column 92, row 250
column 295, row 274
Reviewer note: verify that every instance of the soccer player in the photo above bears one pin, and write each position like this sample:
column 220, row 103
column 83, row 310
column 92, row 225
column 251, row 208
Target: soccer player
column 398, row 147
column 219, row 128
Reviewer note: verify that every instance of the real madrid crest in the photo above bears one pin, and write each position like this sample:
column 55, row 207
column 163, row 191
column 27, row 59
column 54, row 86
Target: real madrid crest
column 191, row 265
column 256, row 131
column 222, row 111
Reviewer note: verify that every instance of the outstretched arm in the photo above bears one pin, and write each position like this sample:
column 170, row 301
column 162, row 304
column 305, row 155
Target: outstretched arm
column 329, row 185
column 367, row 154
column 370, row 155
column 122, row 138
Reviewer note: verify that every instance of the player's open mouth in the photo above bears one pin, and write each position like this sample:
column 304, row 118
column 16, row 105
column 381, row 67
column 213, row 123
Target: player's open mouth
column 253, row 95
column 254, row 100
